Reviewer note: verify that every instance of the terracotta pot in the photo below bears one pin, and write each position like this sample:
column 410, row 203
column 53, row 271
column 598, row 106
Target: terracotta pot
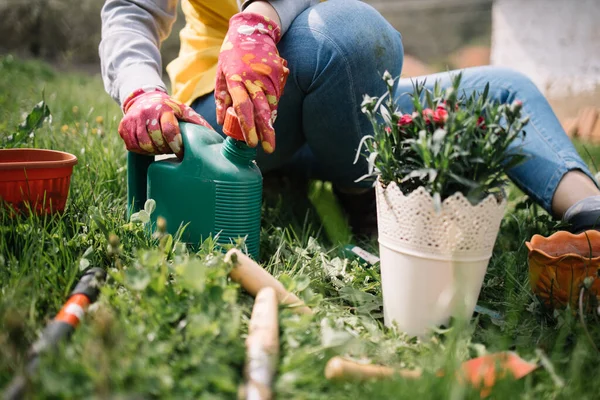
column 559, row 263
column 433, row 261
column 35, row 178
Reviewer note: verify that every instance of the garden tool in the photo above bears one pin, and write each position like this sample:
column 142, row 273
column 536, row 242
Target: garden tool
column 481, row 372
column 339, row 368
column 62, row 326
column 214, row 190
column 262, row 347
column 253, row 278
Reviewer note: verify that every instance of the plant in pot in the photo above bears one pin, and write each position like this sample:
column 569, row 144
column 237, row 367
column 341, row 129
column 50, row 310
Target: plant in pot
column 439, row 172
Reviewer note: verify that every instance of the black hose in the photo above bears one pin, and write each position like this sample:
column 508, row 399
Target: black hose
column 62, row 326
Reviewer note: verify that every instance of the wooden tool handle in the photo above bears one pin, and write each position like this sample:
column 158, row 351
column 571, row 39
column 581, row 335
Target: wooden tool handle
column 262, row 346
column 263, row 329
column 253, row 277
column 342, row 369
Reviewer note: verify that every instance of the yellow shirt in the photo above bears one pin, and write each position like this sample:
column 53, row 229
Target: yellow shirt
column 193, row 72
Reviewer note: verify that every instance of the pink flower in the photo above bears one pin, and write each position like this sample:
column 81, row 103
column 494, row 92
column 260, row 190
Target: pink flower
column 516, row 106
column 428, row 114
column 405, row 120
column 388, row 130
column 440, row 116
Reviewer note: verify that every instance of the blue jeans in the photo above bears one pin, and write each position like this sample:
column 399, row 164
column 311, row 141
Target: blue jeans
column 337, row 51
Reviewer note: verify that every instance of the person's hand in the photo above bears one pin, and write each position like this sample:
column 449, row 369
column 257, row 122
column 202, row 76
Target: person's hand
column 150, row 124
column 251, row 76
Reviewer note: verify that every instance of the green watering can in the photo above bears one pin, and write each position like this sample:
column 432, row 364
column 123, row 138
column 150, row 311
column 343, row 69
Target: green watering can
column 216, row 189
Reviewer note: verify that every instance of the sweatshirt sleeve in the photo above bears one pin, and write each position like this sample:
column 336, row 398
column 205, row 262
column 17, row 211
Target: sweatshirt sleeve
column 132, row 32
column 288, row 10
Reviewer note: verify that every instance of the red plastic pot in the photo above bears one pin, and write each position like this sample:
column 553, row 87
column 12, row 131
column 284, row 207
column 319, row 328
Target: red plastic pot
column 35, row 178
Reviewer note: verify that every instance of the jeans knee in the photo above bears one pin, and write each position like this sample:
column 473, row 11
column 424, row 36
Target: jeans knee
column 355, row 32
column 513, row 79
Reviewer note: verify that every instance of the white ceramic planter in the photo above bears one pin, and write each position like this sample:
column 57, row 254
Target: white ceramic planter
column 433, row 261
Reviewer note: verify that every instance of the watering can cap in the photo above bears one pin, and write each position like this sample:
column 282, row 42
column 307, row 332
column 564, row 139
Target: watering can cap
column 231, row 125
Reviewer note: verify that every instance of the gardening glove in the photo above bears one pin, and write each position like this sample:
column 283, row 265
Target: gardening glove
column 150, row 124
column 251, row 76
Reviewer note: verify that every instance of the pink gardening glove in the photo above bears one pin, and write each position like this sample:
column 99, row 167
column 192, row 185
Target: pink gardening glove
column 150, row 124
column 251, row 76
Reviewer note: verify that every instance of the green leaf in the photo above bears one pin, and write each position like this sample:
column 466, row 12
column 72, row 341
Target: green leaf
column 429, row 99
column 84, row 263
column 35, row 119
column 140, row 216
column 365, row 303
column 331, row 337
column 98, row 218
column 485, row 93
column 385, row 114
column 88, row 251
column 463, row 181
column 166, row 243
column 302, row 282
column 371, row 161
column 437, row 140
column 137, row 279
column 192, row 275
column 150, row 206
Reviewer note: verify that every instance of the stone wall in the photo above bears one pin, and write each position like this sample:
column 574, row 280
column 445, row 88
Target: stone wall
column 554, row 42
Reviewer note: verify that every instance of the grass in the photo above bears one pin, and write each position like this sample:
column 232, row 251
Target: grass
column 170, row 324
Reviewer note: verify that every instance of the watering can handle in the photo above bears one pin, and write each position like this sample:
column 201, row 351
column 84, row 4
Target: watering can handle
column 194, row 139
column 137, row 181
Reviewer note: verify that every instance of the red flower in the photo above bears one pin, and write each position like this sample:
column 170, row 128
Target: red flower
column 481, row 122
column 405, row 120
column 440, row 115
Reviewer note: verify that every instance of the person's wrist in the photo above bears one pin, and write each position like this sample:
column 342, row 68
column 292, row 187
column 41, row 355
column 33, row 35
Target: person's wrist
column 137, row 93
column 251, row 23
column 264, row 8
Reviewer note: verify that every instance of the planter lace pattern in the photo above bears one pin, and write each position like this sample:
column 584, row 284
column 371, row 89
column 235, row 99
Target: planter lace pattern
column 459, row 230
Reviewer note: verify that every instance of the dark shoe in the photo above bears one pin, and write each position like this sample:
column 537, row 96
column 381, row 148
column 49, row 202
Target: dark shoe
column 361, row 210
column 584, row 215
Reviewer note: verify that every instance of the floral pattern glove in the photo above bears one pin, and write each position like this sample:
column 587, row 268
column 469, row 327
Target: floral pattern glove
column 150, row 124
column 251, row 76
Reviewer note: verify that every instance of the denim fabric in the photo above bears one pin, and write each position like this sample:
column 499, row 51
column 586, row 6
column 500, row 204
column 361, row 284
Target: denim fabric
column 337, row 51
